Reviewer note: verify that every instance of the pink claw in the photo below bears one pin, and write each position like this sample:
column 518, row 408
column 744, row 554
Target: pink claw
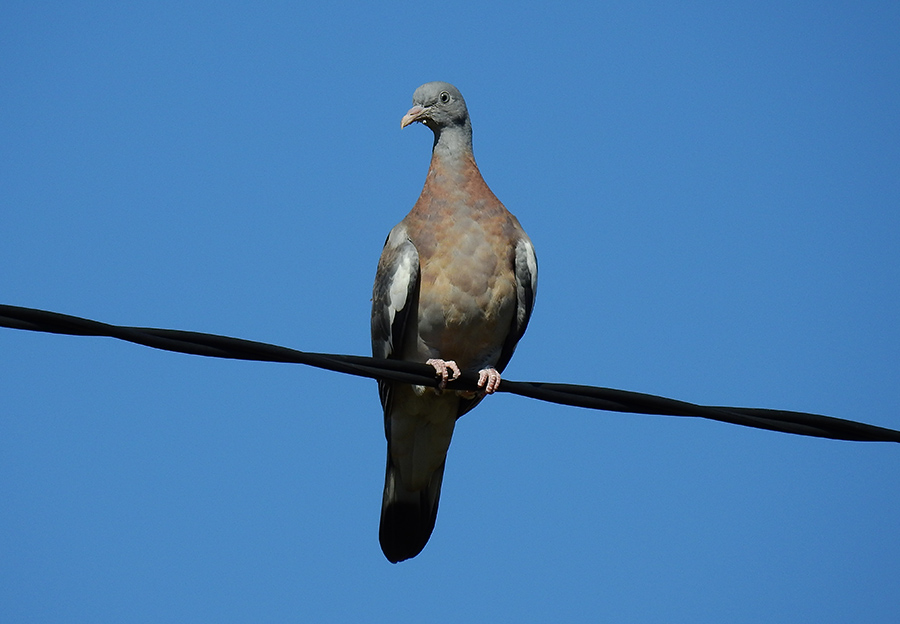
column 489, row 379
column 442, row 367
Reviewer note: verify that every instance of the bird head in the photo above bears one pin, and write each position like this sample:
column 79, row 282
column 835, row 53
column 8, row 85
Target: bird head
column 438, row 105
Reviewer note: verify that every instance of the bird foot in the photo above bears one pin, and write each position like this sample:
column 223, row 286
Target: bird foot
column 489, row 379
column 447, row 370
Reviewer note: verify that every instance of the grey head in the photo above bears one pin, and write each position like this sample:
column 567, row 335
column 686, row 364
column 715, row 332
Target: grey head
column 441, row 107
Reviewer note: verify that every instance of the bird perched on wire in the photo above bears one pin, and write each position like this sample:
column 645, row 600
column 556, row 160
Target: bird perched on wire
column 455, row 288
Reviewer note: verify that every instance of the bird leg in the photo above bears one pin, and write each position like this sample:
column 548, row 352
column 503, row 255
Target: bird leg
column 489, row 379
column 447, row 370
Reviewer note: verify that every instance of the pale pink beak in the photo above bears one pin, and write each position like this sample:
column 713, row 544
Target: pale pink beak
column 414, row 114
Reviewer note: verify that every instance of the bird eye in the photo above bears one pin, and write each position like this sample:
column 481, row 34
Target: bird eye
column 445, row 97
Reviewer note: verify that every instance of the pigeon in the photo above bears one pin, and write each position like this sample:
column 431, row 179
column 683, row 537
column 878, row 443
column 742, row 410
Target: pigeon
column 454, row 288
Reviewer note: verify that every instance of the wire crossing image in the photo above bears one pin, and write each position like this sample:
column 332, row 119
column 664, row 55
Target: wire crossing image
column 592, row 397
column 211, row 345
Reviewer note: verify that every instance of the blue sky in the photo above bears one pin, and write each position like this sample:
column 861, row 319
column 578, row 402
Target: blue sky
column 713, row 191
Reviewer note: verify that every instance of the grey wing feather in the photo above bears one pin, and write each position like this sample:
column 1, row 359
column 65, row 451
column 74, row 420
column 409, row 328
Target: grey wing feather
column 526, row 291
column 394, row 299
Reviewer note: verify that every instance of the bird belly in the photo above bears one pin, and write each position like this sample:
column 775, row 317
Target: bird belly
column 464, row 316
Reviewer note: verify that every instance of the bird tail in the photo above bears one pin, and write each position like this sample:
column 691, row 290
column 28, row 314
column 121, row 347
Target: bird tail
column 407, row 518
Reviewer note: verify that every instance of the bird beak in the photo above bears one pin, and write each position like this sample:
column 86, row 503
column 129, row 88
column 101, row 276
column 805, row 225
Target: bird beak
column 416, row 113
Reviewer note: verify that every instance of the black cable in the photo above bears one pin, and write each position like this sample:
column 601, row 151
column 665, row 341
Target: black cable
column 592, row 397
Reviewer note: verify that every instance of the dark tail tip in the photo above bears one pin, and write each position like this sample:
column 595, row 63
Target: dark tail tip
column 407, row 517
column 405, row 529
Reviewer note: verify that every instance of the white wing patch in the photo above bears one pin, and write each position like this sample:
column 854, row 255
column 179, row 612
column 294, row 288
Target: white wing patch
column 399, row 281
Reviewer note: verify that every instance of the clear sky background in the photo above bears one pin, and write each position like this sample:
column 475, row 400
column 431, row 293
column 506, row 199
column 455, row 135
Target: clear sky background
column 713, row 191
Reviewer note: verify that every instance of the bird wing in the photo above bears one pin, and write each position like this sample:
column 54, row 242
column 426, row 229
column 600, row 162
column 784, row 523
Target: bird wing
column 394, row 300
column 526, row 290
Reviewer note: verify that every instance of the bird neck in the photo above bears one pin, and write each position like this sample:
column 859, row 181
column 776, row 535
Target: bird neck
column 453, row 172
column 453, row 142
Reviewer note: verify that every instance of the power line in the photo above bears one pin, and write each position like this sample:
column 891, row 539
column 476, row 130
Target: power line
column 609, row 399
